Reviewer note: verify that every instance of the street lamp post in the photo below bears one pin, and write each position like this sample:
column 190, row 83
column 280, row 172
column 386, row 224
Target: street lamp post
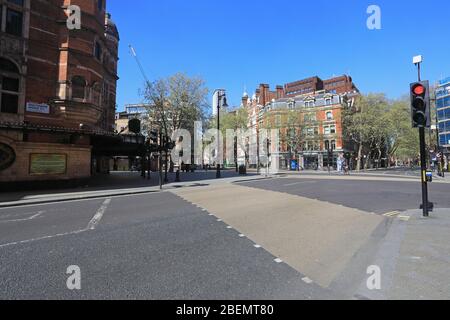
column 221, row 96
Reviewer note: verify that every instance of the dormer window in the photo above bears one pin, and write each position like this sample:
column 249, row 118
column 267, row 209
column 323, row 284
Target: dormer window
column 291, row 105
column 309, row 104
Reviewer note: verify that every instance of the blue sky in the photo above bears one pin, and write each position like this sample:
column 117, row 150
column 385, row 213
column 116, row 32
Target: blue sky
column 232, row 44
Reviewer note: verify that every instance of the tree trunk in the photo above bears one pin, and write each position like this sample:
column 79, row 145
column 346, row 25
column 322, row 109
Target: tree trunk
column 380, row 154
column 358, row 165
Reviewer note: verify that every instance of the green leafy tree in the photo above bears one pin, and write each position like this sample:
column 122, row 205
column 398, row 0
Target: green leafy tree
column 364, row 126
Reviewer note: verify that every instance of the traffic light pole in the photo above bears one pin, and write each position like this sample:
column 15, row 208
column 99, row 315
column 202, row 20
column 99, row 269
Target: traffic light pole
column 423, row 163
column 160, row 161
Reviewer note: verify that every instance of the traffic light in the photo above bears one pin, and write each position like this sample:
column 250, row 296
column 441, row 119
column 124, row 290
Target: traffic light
column 134, row 125
column 168, row 144
column 420, row 104
column 153, row 136
column 152, row 141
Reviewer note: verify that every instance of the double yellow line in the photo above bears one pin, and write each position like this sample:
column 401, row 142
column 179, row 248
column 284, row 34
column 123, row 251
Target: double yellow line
column 391, row 214
column 394, row 214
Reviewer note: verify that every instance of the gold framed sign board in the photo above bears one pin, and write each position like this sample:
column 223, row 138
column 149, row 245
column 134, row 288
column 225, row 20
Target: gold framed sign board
column 48, row 164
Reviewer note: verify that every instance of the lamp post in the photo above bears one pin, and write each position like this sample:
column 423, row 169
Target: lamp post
column 221, row 99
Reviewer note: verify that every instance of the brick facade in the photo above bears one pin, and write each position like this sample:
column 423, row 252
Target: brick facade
column 317, row 105
column 67, row 84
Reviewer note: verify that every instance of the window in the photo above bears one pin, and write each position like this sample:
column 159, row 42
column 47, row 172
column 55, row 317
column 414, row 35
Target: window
column 9, row 86
column 333, row 129
column 98, row 51
column 333, row 145
column 78, row 88
column 17, row 2
column 96, row 93
column 310, row 117
column 329, row 115
column 327, row 130
column 309, row 104
column 100, row 5
column 328, row 101
column 278, row 120
column 14, row 22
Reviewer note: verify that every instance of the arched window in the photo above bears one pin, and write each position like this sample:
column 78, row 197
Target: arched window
column 78, row 88
column 9, row 86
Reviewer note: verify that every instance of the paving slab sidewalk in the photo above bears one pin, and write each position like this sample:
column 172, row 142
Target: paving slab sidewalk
column 414, row 259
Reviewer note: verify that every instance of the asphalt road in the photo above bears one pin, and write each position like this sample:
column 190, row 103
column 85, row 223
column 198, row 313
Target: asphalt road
column 372, row 196
column 155, row 246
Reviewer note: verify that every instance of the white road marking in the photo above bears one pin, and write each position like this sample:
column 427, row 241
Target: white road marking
column 99, row 215
column 42, row 238
column 296, row 183
column 219, row 220
column 241, row 236
column 229, row 227
column 278, row 260
column 391, row 214
column 25, row 219
column 91, row 226
column 404, row 218
column 56, row 201
column 307, row 280
column 257, row 246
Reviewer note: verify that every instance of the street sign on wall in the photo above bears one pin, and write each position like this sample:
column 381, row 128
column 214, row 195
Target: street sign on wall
column 38, row 108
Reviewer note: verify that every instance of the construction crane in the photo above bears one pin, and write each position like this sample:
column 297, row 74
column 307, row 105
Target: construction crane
column 133, row 53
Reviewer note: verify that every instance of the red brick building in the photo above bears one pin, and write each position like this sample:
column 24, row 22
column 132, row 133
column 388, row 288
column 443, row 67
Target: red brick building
column 57, row 89
column 308, row 114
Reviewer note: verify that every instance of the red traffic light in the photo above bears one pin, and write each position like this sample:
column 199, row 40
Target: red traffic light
column 419, row 90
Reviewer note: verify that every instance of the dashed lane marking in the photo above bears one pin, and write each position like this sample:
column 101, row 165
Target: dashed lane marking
column 42, row 238
column 307, row 280
column 25, row 219
column 99, row 215
column 278, row 260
